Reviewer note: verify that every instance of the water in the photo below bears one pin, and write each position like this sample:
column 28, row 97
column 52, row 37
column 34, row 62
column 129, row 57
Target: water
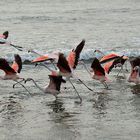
column 46, row 26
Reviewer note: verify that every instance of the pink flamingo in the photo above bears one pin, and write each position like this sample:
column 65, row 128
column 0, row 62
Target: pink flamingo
column 54, row 85
column 135, row 70
column 3, row 40
column 97, row 72
column 112, row 60
column 11, row 72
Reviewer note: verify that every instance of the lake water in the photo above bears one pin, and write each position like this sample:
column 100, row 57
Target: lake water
column 46, row 26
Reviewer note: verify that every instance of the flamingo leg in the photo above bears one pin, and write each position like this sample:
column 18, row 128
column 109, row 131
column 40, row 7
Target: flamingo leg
column 122, row 71
column 85, row 85
column 41, row 55
column 119, row 72
column 81, row 62
column 17, row 47
column 53, row 64
column 46, row 67
column 105, row 84
column 125, row 64
column 76, row 91
column 17, row 82
column 22, row 86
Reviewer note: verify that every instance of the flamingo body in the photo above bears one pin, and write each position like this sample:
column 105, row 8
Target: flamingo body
column 98, row 71
column 135, row 70
column 11, row 71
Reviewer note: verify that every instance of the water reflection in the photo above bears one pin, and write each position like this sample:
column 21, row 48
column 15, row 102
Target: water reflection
column 100, row 104
column 10, row 108
column 56, row 106
column 63, row 127
column 58, row 113
column 11, row 116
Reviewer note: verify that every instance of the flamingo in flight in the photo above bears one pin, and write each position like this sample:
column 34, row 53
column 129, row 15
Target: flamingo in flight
column 54, row 85
column 135, row 70
column 66, row 66
column 11, row 72
column 111, row 61
column 3, row 40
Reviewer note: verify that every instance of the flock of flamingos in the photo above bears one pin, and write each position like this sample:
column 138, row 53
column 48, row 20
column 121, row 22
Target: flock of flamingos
column 63, row 67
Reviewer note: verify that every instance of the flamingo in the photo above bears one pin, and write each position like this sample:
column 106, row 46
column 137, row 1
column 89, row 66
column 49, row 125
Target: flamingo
column 97, row 72
column 66, row 66
column 135, row 70
column 117, row 62
column 54, row 85
column 112, row 60
column 3, row 40
column 11, row 72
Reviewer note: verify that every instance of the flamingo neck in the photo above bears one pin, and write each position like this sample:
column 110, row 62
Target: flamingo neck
column 47, row 89
column 38, row 86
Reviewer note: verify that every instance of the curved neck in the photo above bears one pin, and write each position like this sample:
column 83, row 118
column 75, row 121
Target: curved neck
column 88, row 71
column 98, row 51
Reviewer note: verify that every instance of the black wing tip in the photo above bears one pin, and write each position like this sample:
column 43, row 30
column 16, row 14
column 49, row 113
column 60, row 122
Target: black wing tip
column 6, row 34
column 83, row 40
column 58, row 77
column 17, row 56
column 18, row 61
column 3, row 60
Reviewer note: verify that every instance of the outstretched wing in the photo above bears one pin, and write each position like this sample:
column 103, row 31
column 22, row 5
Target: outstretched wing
column 108, row 58
column 17, row 64
column 108, row 66
column 62, row 64
column 74, row 55
column 97, row 68
column 6, row 67
column 5, row 34
column 41, row 59
column 46, row 57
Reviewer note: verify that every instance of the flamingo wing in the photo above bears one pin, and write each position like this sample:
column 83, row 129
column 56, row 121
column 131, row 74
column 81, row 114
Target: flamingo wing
column 135, row 62
column 41, row 59
column 71, row 59
column 17, row 64
column 108, row 66
column 6, row 67
column 55, row 82
column 78, row 51
column 5, row 34
column 62, row 64
column 108, row 57
column 97, row 68
column 46, row 57
column 74, row 55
